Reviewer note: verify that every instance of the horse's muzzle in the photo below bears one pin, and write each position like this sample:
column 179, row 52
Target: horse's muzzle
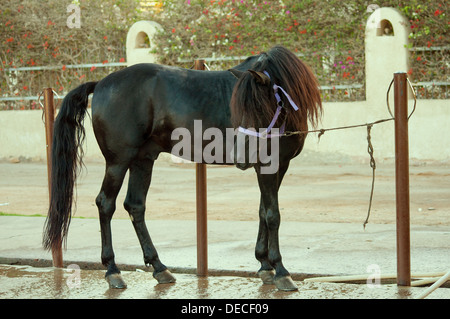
column 244, row 166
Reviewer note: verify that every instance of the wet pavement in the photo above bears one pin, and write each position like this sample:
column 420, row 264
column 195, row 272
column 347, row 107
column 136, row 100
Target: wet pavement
column 321, row 233
column 26, row 282
column 309, row 250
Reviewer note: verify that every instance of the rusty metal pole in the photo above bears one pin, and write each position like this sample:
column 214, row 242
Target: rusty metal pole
column 402, row 179
column 201, row 203
column 49, row 114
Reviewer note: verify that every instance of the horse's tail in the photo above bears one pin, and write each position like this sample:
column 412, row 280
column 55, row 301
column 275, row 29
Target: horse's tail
column 67, row 153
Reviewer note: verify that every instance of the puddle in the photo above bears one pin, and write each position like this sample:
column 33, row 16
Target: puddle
column 27, row 282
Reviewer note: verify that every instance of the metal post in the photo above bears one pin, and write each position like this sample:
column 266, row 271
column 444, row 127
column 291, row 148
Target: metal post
column 201, row 187
column 402, row 179
column 49, row 114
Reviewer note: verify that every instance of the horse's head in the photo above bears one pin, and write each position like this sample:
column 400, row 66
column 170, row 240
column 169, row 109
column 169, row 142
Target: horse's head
column 278, row 91
column 251, row 107
column 252, row 102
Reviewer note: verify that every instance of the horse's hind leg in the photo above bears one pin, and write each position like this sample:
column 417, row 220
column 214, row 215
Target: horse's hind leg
column 106, row 203
column 139, row 182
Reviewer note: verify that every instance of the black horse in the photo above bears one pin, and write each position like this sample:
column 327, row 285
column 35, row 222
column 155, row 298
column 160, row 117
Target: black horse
column 134, row 114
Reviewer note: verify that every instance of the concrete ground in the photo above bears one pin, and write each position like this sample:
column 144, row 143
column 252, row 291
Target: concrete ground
column 26, row 282
column 323, row 208
column 309, row 250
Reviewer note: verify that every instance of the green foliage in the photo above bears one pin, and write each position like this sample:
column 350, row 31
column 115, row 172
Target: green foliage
column 429, row 28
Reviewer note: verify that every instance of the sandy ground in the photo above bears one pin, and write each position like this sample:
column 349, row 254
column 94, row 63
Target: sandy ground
column 312, row 191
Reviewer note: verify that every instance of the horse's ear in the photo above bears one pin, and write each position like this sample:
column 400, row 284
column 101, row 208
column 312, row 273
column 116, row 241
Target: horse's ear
column 238, row 74
column 260, row 77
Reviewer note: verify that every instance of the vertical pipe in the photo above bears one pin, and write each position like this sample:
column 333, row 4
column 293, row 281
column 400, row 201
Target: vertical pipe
column 49, row 114
column 402, row 179
column 202, row 229
column 201, row 203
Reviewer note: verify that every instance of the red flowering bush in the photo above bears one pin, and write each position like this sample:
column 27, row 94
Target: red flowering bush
column 429, row 29
column 328, row 35
column 36, row 33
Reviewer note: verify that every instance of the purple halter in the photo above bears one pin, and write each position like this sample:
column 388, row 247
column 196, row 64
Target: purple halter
column 266, row 134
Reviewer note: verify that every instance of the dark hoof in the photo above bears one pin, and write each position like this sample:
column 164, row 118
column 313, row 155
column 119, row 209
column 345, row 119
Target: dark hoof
column 285, row 283
column 115, row 281
column 164, row 277
column 266, row 276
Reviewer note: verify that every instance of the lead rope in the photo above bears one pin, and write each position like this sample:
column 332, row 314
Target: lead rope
column 373, row 166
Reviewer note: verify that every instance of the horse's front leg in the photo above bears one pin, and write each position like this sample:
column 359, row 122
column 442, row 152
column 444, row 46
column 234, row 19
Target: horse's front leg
column 270, row 213
column 266, row 272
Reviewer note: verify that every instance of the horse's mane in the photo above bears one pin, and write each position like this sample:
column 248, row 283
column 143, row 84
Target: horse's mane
column 253, row 101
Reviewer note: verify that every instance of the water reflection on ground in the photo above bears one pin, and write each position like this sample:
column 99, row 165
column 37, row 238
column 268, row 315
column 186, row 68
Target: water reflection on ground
column 26, row 282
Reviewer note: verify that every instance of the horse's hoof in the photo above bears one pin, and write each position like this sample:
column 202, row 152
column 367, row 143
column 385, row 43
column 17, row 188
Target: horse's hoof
column 115, row 281
column 164, row 277
column 266, row 276
column 285, row 283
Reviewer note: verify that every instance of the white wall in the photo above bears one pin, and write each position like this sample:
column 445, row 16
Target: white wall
column 22, row 133
column 22, row 136
column 429, row 132
column 138, row 51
